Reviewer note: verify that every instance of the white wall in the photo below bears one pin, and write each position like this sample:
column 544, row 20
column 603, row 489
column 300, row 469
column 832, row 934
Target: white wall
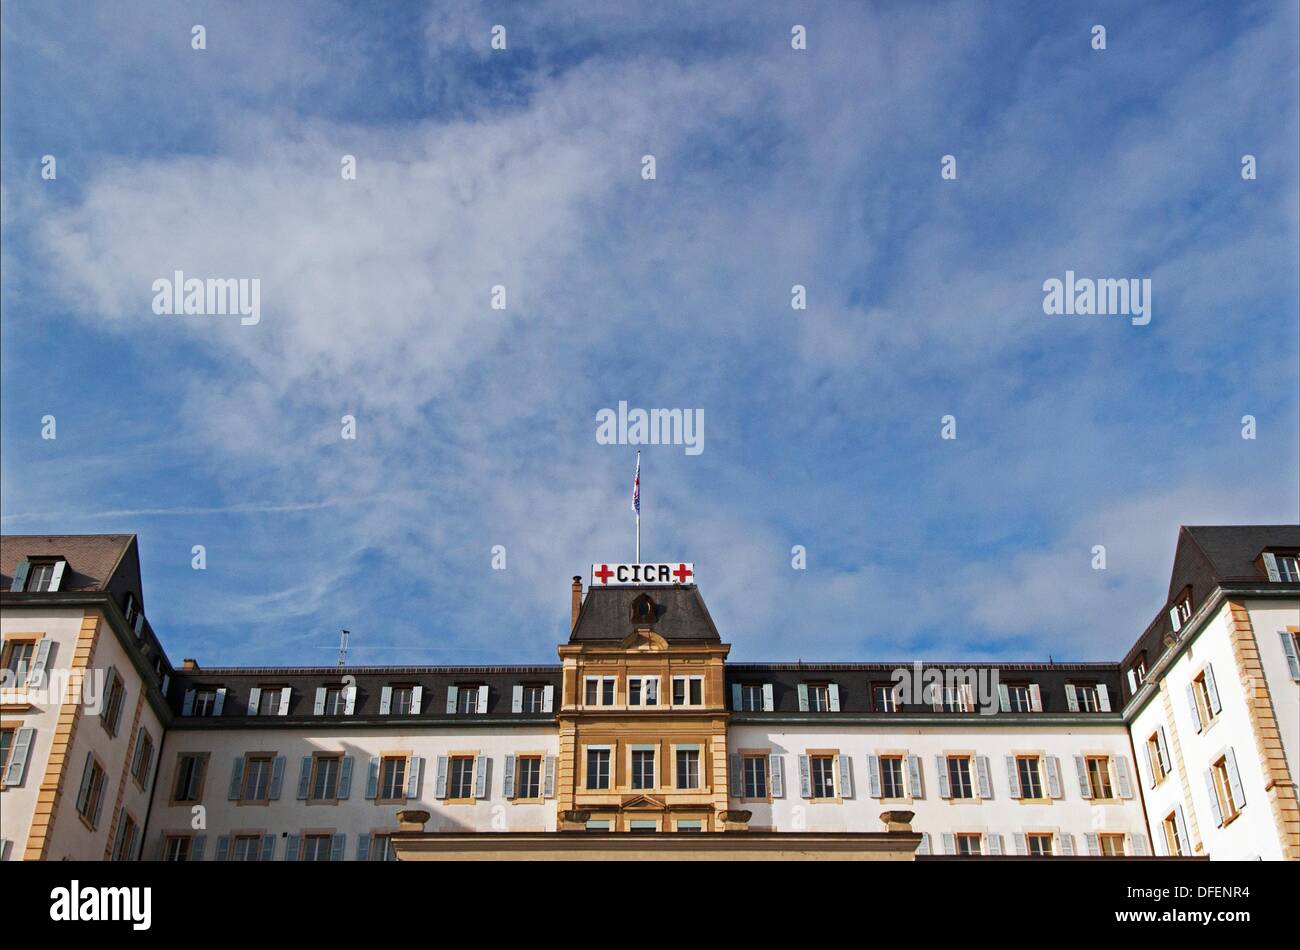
column 1269, row 618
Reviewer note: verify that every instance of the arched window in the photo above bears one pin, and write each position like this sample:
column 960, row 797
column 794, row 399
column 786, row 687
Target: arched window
column 643, row 609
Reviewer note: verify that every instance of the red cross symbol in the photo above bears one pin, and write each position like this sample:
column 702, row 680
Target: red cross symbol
column 604, row 573
column 682, row 573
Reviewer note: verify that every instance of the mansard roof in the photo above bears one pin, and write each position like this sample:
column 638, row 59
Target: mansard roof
column 96, row 562
column 680, row 614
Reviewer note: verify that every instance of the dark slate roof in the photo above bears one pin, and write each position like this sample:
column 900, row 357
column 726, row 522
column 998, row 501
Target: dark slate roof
column 370, row 681
column 854, row 681
column 680, row 614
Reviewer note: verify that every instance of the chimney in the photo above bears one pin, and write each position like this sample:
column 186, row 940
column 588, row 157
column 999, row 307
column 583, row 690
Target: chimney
column 577, row 600
column 189, row 664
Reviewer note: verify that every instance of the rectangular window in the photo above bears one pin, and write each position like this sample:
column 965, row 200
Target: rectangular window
column 316, row 847
column 1031, row 783
column 256, row 787
column 643, row 825
column 1229, row 808
column 968, row 844
column 1201, row 690
column 599, row 690
column 112, row 716
column 94, row 785
column 891, row 777
column 819, row 697
column 751, row 697
column 189, row 777
column 1099, row 777
column 1288, row 567
column 205, row 702
column 336, row 701
column 392, row 778
column 403, row 698
column 1173, row 840
column 528, row 777
column 461, row 785
column 884, row 698
column 643, row 768
column 690, row 824
column 269, row 700
column 1087, row 698
column 143, row 757
column 597, row 769
column 959, row 781
column 177, row 848
column 1039, row 845
column 381, row 848
column 1018, row 699
column 1112, row 846
column 125, row 837
column 598, row 824
column 40, row 574
column 822, row 774
column 755, row 772
column 956, row 699
column 688, row 768
column 643, row 691
column 7, row 735
column 18, row 661
column 534, row 699
column 325, row 778
column 1153, row 756
column 688, row 691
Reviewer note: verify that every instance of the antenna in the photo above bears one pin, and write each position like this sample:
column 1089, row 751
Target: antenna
column 343, row 650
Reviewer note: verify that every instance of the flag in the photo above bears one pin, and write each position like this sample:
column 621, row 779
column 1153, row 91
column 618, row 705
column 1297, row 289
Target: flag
column 636, row 487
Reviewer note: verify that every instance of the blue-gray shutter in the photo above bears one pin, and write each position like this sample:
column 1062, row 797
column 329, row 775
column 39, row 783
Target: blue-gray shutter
column 1212, row 689
column 363, row 847
column 440, row 779
column 319, row 708
column 914, row 775
column 138, row 626
column 548, row 778
column 1234, row 779
column 337, row 845
column 805, row 779
column 1053, row 777
column 223, row 848
column 1090, row 840
column 304, row 779
column 451, row 700
column 1071, row 699
column 941, row 770
column 924, row 846
column 1004, row 698
column 109, row 678
column 508, row 777
column 776, row 775
column 1013, row 776
column 1085, row 786
column 1151, row 764
column 414, row 777
column 166, row 684
column 768, row 705
column 737, row 765
column 197, row 847
column 735, row 697
column 833, row 691
column 1270, row 566
column 1196, row 709
column 1123, row 777
column 846, row 775
column 949, row 843
column 268, row 848
column 372, row 780
column 1214, row 796
column 1103, row 697
column 1292, row 656
column 481, row 776
column 44, row 651
column 16, row 771
column 873, row 776
column 1021, row 847
column 291, row 848
column 220, row 704
column 20, row 575
column 254, row 697
column 803, row 697
column 995, row 842
column 115, row 854
column 984, row 776
column 236, row 778
column 56, row 578
column 517, row 698
column 1067, row 843
column 187, row 707
column 1182, row 829
column 277, row 778
column 345, row 778
column 99, row 799
column 1138, row 845
column 385, row 700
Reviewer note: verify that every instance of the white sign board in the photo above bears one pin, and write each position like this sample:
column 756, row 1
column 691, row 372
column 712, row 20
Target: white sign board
column 657, row 575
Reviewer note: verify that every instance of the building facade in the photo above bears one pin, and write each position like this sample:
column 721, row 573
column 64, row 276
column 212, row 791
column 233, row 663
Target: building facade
column 1188, row 746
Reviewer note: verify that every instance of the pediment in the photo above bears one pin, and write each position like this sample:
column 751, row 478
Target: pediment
column 642, row 803
column 644, row 640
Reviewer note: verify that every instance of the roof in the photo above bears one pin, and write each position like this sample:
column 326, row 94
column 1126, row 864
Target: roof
column 93, row 559
column 680, row 614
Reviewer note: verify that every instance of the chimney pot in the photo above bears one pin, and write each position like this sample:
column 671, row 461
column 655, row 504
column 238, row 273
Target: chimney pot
column 577, row 600
column 189, row 664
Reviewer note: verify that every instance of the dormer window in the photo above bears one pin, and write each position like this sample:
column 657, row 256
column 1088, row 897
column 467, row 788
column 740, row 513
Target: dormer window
column 38, row 575
column 1181, row 611
column 1282, row 566
column 643, row 609
column 129, row 611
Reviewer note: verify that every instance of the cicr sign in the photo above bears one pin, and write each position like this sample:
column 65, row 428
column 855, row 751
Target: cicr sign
column 662, row 575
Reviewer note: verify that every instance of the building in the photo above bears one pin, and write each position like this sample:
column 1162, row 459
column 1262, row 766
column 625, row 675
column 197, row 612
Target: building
column 643, row 741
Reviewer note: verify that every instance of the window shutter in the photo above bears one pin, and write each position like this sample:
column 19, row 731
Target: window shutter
column 166, row 684
column 219, row 706
column 803, row 697
column 109, row 679
column 337, row 845
column 1292, row 657
column 1019, row 837
column 451, row 700
column 1137, row 845
column 254, row 698
column 1270, row 566
column 363, row 847
column 1234, row 779
column 1123, row 776
column 1196, row 710
column 372, row 778
column 1035, row 698
column 45, row 650
column 1132, row 681
column 349, row 700
column 1004, row 698
column 949, row 843
column 291, row 848
column 482, row 700
column 805, row 781
column 268, row 848
column 767, row 698
column 385, row 700
column 138, row 626
column 548, row 698
column 1081, row 768
column 873, row 776
column 776, row 771
column 319, row 708
column 277, row 778
column 1163, row 750
column 548, row 778
column 1103, row 697
column 236, row 778
column 480, row 776
column 1054, row 777
column 924, row 846
column 99, row 800
column 440, row 781
column 737, row 765
column 517, row 699
column 304, row 779
column 16, row 771
column 197, row 847
column 1174, row 620
column 1212, row 689
column 1214, row 796
column 914, row 776
column 1182, row 829
column 846, row 776
column 83, row 794
column 285, row 694
column 1151, row 765
column 735, row 697
column 415, row 777
column 508, row 777
column 1067, row 843
column 345, row 778
column 137, row 752
column 834, row 690
column 941, row 770
column 223, row 848
column 116, row 853
column 1071, row 700
column 1013, row 776
column 56, row 577
column 417, row 699
column 20, row 575
column 985, row 776
column 994, row 842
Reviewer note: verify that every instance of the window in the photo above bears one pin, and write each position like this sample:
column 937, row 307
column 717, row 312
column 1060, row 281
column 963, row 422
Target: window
column 111, row 717
column 1173, row 839
column 819, row 697
column 643, row 768
column 1099, row 777
column 598, row 824
column 177, row 848
column 690, row 824
column 1112, row 846
column 884, row 698
column 125, row 842
column 1031, row 783
column 461, row 785
column 90, row 800
column 688, row 768
column 968, row 844
column 599, row 691
column 381, row 848
column 40, row 576
column 392, row 778
column 1038, row 845
column 754, row 768
column 597, row 769
column 1288, row 567
column 256, row 786
column 1206, row 696
column 336, row 701
column 959, row 783
column 688, row 690
column 467, row 699
column 1087, row 698
column 402, row 700
column 1223, row 774
column 7, row 734
column 643, row 690
column 534, row 699
column 891, row 777
column 205, row 702
column 1183, row 611
column 190, row 767
column 821, row 770
column 528, row 777
column 316, row 847
column 1018, row 699
column 1156, row 756
column 956, row 699
column 269, row 701
column 642, row 825
column 325, row 778
column 143, row 757
column 751, row 697
column 18, row 661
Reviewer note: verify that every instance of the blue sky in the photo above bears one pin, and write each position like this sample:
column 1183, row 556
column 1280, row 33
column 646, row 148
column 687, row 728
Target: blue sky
column 775, row 167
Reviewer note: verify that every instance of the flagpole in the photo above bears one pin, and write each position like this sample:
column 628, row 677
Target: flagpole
column 636, row 504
